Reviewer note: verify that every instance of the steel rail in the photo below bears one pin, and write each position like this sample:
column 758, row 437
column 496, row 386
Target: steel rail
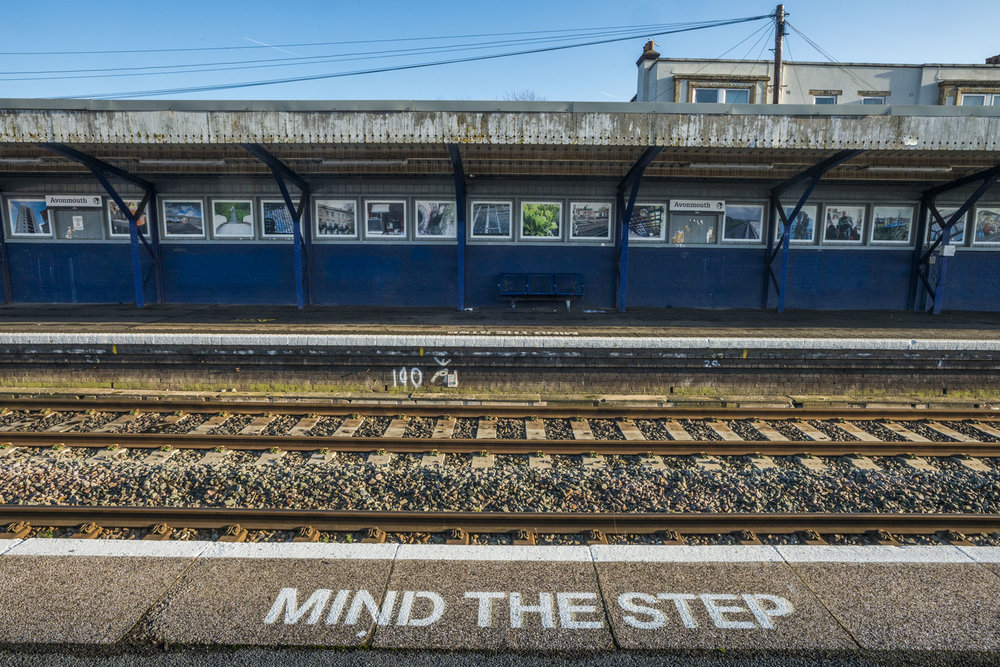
column 497, row 522
column 41, row 439
column 436, row 409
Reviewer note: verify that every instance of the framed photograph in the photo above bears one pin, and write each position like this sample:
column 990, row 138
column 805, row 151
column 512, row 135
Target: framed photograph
column 590, row 221
column 541, row 220
column 843, row 223
column 385, row 218
column 957, row 235
column 118, row 221
column 232, row 219
column 693, row 228
column 987, row 226
column 336, row 218
column 892, row 224
column 276, row 221
column 648, row 222
column 436, row 219
column 744, row 223
column 803, row 229
column 491, row 219
column 77, row 223
column 28, row 217
column 183, row 218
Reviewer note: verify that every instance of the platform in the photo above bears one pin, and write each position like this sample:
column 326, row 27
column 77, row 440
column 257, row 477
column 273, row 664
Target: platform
column 811, row 600
column 355, row 351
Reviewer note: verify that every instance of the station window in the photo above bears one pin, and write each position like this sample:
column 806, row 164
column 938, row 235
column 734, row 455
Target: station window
column 693, row 228
column 872, row 99
column 722, row 95
column 981, row 100
column 825, row 99
column 118, row 221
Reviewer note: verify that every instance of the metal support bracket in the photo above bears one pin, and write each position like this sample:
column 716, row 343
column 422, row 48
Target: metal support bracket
column 460, row 219
column 810, row 177
column 103, row 171
column 920, row 266
column 8, row 289
column 301, row 234
column 624, row 209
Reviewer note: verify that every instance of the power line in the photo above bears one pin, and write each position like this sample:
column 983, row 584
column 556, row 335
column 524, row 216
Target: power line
column 396, row 68
column 858, row 80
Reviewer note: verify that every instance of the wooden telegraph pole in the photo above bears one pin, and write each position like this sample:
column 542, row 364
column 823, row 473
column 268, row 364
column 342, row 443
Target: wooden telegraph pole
column 779, row 34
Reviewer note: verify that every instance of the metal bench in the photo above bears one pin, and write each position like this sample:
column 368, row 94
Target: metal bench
column 540, row 287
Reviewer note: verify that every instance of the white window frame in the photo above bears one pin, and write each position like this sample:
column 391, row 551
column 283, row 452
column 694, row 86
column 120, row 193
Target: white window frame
column 722, row 92
column 763, row 223
column 909, row 232
column 275, row 237
column 817, row 98
column 107, row 217
column 187, row 200
column 404, row 236
column 417, row 236
column 873, row 99
column 540, row 239
column 611, row 220
column 946, row 212
column 812, row 210
column 318, row 236
column 664, row 223
column 490, row 237
column 12, row 219
column 234, row 237
column 987, row 207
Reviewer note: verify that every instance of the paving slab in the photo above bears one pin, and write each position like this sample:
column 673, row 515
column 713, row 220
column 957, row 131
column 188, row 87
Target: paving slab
column 736, row 597
column 55, row 591
column 904, row 598
column 497, row 598
column 259, row 595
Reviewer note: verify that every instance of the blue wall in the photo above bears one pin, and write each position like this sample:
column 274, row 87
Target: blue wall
column 424, row 275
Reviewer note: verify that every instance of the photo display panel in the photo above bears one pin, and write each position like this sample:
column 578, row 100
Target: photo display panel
column 803, row 227
column 78, row 223
column 492, row 219
column 541, row 220
column 987, row 225
column 892, row 224
column 957, row 234
column 118, row 221
column 843, row 223
column 336, row 218
column 436, row 219
column 276, row 220
column 184, row 218
column 590, row 221
column 385, row 218
column 28, row 217
column 232, row 218
column 693, row 228
column 744, row 222
column 648, row 222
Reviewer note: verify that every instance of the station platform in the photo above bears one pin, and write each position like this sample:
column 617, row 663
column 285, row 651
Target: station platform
column 540, row 350
column 879, row 602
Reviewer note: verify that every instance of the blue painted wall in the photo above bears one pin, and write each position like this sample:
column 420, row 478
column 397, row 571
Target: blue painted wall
column 424, row 275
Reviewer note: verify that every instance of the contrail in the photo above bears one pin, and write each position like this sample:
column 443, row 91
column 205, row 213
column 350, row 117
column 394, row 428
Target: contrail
column 272, row 46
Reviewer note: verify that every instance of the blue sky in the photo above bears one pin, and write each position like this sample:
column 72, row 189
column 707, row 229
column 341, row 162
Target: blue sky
column 851, row 30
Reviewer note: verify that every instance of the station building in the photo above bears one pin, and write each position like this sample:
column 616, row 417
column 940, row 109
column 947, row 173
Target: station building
column 652, row 204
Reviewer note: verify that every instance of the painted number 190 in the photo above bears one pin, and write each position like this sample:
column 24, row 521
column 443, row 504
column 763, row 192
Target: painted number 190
column 404, row 377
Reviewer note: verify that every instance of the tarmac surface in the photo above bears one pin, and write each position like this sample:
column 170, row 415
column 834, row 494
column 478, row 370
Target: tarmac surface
column 613, row 605
column 543, row 320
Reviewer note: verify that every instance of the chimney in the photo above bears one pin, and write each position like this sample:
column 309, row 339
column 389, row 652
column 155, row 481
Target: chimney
column 995, row 60
column 648, row 53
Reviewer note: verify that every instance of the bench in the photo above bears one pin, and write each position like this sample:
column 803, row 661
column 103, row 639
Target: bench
column 540, row 287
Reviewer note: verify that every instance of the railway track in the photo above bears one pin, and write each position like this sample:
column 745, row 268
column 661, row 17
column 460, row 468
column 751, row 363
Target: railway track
column 162, row 521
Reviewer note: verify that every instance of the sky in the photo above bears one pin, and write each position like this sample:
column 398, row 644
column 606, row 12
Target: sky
column 372, row 34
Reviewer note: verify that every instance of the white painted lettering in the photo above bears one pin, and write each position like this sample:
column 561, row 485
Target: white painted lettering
column 485, row 604
column 716, row 611
column 779, row 607
column 337, row 607
column 364, row 599
column 406, row 609
column 287, row 601
column 568, row 610
column 680, row 602
column 544, row 608
column 627, row 602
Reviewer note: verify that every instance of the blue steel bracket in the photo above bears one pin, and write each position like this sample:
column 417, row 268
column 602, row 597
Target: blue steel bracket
column 631, row 182
column 920, row 269
column 8, row 289
column 102, row 171
column 810, row 177
column 281, row 173
column 460, row 219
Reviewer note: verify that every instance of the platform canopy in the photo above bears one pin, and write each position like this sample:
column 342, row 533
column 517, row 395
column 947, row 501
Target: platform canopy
column 150, row 138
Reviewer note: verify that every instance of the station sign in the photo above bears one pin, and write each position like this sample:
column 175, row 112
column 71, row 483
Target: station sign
column 65, row 201
column 698, row 205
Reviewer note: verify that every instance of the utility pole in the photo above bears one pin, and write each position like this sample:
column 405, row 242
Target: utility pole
column 779, row 34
